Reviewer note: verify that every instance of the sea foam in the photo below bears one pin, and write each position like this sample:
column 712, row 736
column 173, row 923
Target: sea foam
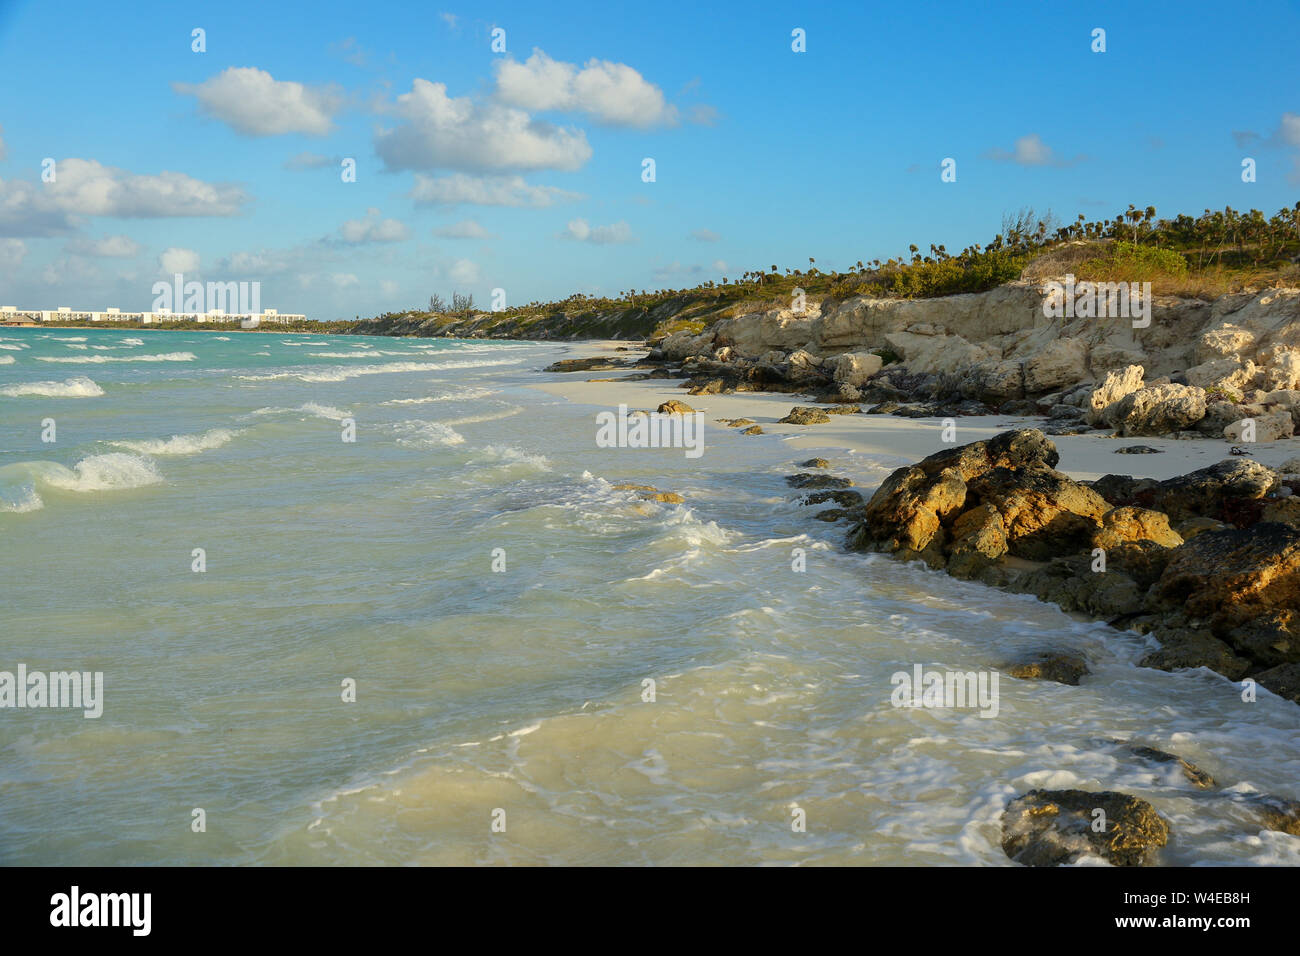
column 79, row 387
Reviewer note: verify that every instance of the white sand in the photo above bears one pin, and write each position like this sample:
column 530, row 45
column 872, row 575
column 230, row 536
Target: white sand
column 904, row 439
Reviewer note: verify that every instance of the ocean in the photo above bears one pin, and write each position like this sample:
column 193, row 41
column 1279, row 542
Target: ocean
column 452, row 640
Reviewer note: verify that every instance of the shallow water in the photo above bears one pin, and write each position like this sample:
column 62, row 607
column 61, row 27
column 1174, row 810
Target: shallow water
column 519, row 691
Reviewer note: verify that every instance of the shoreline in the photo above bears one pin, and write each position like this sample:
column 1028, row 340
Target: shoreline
column 903, row 440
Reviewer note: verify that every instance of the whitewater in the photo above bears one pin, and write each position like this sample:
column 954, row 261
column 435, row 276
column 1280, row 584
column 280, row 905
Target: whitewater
column 359, row 651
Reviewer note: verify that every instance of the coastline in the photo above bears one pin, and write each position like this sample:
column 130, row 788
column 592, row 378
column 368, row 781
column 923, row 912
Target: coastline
column 903, row 441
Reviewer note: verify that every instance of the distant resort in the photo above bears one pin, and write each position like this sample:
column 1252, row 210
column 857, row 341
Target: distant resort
column 12, row 315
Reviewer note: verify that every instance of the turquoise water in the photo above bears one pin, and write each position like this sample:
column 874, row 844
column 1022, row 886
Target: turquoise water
column 479, row 691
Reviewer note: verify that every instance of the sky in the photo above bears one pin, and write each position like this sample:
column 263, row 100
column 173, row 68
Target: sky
column 503, row 147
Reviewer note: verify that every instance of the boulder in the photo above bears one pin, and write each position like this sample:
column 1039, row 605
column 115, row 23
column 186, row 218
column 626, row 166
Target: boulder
column 1214, row 492
column 1125, row 524
column 1271, row 426
column 1115, row 386
column 854, row 368
column 1051, row 827
column 1158, row 410
column 1052, row 666
column 674, row 407
column 1223, row 373
column 1283, row 372
column 805, row 415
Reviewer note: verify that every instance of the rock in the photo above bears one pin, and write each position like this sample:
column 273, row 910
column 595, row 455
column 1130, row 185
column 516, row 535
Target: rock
column 1285, row 510
column 1283, row 372
column 1051, row 827
column 1267, row 427
column 736, row 422
column 674, row 407
column 1245, row 584
column 1277, row 813
column 838, row 393
column 594, row 364
column 1115, row 386
column 854, row 368
column 807, row 480
column 815, row 463
column 1213, row 492
column 1052, row 666
column 650, row 493
column 1218, row 416
column 1283, row 680
column 1222, row 373
column 1121, row 525
column 846, row 499
column 753, row 430
column 709, row 386
column 1190, row 647
column 1191, row 527
column 803, row 362
column 1158, row 409
column 995, row 382
column 843, row 410
column 1046, row 513
column 979, row 538
column 1290, row 467
column 1195, row 774
column 1018, row 406
column 1138, row 450
column 1059, row 363
column 805, row 415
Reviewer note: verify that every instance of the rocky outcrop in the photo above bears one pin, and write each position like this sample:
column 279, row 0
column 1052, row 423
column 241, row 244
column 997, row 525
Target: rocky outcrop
column 1053, row 827
column 1224, row 595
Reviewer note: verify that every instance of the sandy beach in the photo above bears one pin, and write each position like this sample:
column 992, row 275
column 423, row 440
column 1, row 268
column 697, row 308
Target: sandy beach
column 1084, row 457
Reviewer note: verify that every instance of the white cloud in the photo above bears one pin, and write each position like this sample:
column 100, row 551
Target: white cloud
column 253, row 102
column 719, row 265
column 84, row 187
column 373, row 228
column 442, row 132
column 580, row 230
column 109, row 247
column 12, row 253
column 705, row 235
column 175, row 260
column 612, row 93
column 1031, row 151
column 343, row 280
column 1289, row 131
column 449, row 19
column 466, row 229
column 464, row 271
column 486, row 191
column 4, row 151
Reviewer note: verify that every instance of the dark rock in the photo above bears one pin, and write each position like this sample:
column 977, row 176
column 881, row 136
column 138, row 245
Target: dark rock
column 807, row 480
column 1051, row 666
column 815, row 463
column 1051, row 827
column 1283, row 680
column 1195, row 774
column 1138, row 450
column 805, row 415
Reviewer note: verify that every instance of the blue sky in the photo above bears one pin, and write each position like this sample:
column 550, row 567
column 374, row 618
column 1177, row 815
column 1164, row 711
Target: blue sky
column 522, row 170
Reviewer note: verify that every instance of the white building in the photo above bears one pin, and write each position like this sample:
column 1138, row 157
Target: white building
column 10, row 313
